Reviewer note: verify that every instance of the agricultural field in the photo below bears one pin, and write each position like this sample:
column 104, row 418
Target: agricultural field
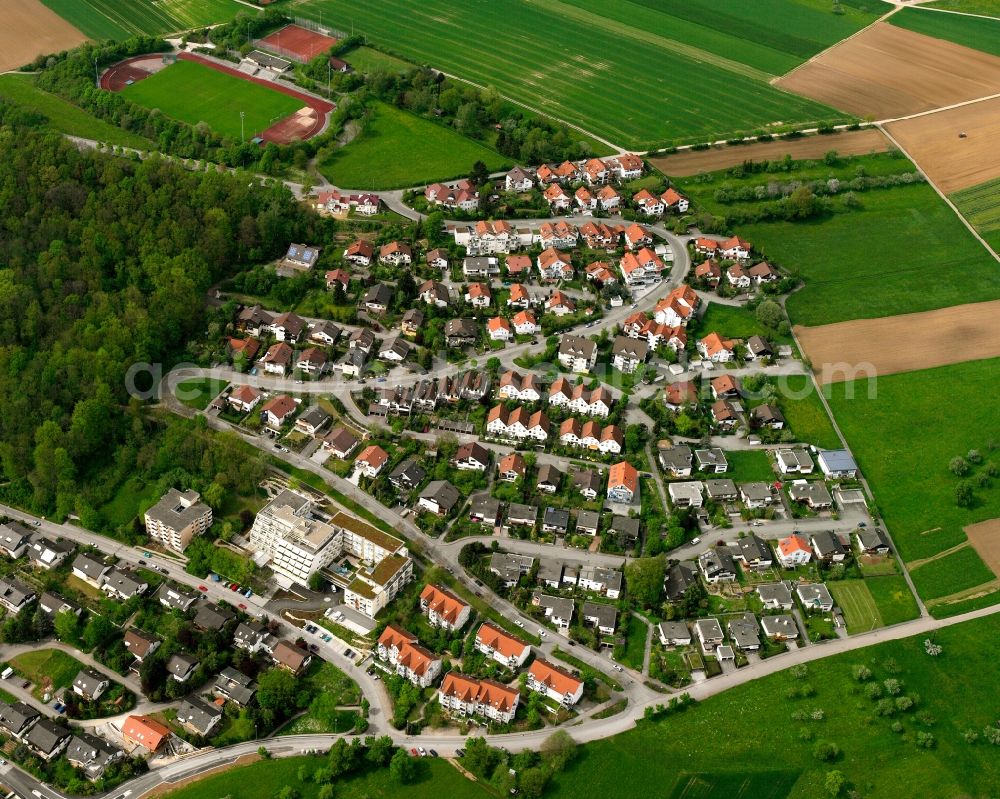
column 921, row 241
column 30, row 30
column 897, row 344
column 981, row 206
column 953, row 573
column 63, row 116
column 904, row 441
column 702, row 69
column 857, row 603
column 720, row 736
column 264, row 780
column 194, row 93
column 409, row 150
column 989, row 8
column 888, row 71
column 752, row 785
column 953, row 162
column 804, row 412
column 368, row 59
column 120, row 19
column 974, row 32
column 693, row 162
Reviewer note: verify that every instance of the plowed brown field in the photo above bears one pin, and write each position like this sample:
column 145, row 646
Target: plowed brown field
column 985, row 539
column 952, row 162
column 851, row 142
column 888, row 72
column 902, row 343
column 30, row 29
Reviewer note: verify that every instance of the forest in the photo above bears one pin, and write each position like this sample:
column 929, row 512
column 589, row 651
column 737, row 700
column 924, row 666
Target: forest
column 104, row 263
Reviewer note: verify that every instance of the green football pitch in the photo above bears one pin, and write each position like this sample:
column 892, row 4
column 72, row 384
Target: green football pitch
column 195, row 93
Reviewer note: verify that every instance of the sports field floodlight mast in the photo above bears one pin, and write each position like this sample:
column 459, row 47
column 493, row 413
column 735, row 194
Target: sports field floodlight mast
column 242, row 134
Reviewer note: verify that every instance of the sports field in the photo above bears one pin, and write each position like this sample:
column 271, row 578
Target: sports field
column 981, row 206
column 975, row 32
column 120, row 19
column 408, row 150
column 636, row 72
column 195, row 93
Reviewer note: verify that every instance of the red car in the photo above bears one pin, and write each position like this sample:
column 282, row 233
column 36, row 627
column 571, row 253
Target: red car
column 242, row 606
column 234, row 587
column 413, row 752
column 202, row 588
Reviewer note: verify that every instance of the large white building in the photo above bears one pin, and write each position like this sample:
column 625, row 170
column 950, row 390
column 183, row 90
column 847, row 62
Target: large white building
column 177, row 518
column 296, row 539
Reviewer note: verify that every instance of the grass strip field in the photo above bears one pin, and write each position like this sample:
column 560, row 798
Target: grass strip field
column 408, row 150
column 893, row 598
column 752, row 725
column 904, row 437
column 749, row 465
column 195, row 93
column 635, row 644
column 120, row 19
column 434, row 778
column 804, row 412
column 48, row 669
column 858, row 604
column 956, row 572
column 981, row 206
column 736, row 322
column 976, row 33
column 63, row 116
column 612, row 92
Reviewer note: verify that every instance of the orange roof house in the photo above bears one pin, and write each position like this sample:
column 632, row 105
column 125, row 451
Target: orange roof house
column 555, row 682
column 502, row 647
column 443, row 608
column 623, row 482
column 145, row 732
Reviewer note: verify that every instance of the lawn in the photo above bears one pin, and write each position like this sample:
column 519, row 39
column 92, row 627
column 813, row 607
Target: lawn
column 194, row 93
column 635, row 643
column 198, row 392
column 893, row 598
column 132, row 498
column 121, row 19
column 63, row 116
column 368, row 59
column 748, row 465
column 958, row 571
column 736, row 322
column 408, row 150
column 905, row 437
column 975, row 32
column 800, row 402
column 981, row 206
column 265, row 779
column 858, row 604
column 711, row 75
column 745, row 729
column 48, row 669
column 921, row 242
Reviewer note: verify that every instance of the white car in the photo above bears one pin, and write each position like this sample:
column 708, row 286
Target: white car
column 519, row 623
column 541, row 633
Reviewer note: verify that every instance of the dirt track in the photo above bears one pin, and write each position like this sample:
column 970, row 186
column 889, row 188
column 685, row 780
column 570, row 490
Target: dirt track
column 903, row 343
column 691, row 162
column 985, row 539
column 951, row 162
column 887, row 72
column 30, row 29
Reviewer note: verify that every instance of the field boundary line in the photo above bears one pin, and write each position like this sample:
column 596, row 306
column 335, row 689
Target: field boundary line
column 916, row 564
column 952, row 107
column 941, row 194
column 834, row 46
column 956, row 13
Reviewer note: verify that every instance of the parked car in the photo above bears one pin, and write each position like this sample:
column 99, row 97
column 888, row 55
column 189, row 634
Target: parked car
column 202, row 588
